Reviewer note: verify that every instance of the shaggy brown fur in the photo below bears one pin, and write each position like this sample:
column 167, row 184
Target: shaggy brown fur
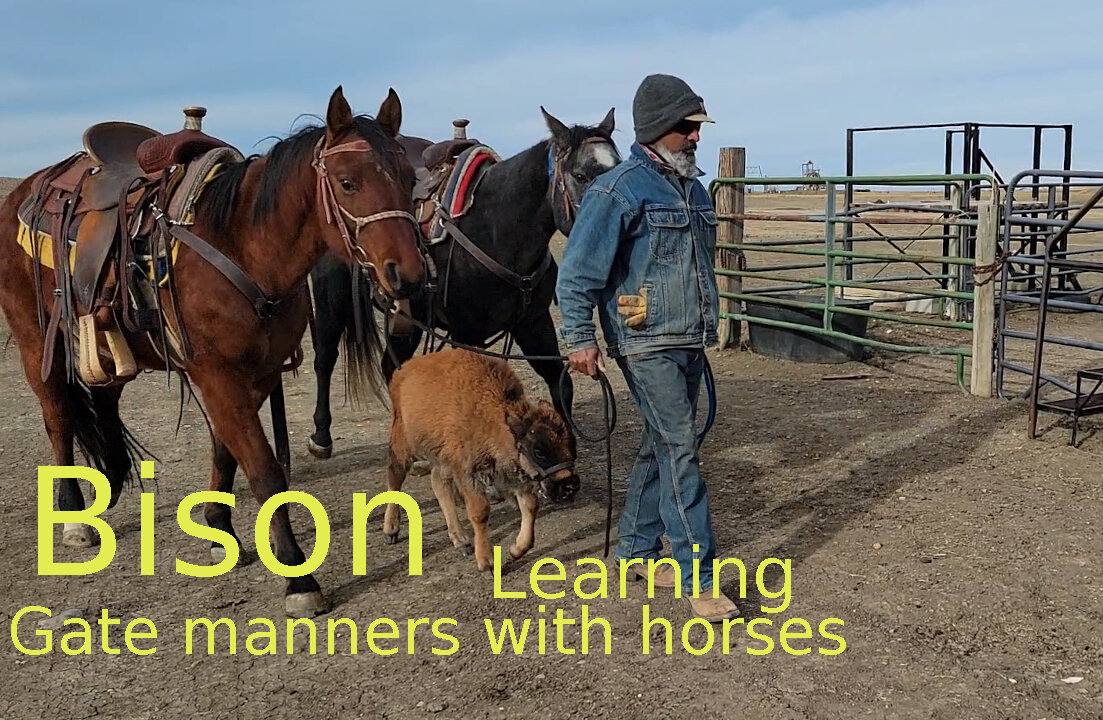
column 467, row 415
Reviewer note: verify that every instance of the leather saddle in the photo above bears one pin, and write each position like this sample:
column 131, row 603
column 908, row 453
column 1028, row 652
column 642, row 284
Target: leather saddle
column 118, row 156
column 448, row 173
column 446, row 151
column 448, row 190
column 97, row 207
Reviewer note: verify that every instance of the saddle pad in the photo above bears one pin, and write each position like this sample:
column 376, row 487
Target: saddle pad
column 197, row 174
column 182, row 203
column 26, row 238
column 459, row 190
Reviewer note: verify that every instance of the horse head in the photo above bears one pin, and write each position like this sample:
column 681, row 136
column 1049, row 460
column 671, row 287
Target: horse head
column 576, row 156
column 365, row 186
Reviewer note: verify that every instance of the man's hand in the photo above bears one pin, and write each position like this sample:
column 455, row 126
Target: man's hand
column 587, row 361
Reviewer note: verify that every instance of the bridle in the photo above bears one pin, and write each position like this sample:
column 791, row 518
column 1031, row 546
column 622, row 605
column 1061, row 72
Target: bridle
column 556, row 158
column 332, row 209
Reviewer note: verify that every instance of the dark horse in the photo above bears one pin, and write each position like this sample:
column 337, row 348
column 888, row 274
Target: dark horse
column 342, row 187
column 516, row 209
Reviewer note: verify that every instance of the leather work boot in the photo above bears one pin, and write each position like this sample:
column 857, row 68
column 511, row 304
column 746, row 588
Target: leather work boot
column 713, row 609
column 664, row 575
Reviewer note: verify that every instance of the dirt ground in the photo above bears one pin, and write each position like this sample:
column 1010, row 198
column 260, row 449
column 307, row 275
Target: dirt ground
column 961, row 557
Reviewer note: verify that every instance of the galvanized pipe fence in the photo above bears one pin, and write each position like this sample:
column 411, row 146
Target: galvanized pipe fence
column 1058, row 249
column 948, row 293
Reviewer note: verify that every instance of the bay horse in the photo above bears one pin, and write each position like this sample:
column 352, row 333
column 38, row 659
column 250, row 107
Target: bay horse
column 515, row 211
column 345, row 187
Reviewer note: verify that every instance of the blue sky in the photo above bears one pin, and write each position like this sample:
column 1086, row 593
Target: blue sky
column 783, row 79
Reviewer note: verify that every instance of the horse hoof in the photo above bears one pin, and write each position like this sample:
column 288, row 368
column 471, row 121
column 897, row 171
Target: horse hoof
column 306, row 604
column 218, row 554
column 80, row 536
column 389, row 538
column 420, row 468
column 319, row 451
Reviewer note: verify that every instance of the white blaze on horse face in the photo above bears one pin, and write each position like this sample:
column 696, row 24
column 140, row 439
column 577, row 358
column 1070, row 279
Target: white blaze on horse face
column 604, row 155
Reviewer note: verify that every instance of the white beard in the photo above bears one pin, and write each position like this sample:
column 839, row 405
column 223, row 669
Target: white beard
column 684, row 162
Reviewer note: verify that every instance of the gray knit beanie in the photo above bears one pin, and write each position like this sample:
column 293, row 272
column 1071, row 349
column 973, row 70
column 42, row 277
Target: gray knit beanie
column 661, row 102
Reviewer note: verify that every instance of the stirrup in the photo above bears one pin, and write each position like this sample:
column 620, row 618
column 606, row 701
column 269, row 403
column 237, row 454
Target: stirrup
column 125, row 367
column 91, row 371
column 89, row 366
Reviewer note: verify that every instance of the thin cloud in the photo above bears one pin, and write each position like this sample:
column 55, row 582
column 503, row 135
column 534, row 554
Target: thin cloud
column 785, row 83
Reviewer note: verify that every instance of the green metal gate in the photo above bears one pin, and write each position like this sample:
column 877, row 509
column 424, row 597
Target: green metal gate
column 962, row 303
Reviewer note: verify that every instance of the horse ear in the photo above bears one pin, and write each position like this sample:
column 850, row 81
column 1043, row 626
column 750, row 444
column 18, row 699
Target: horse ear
column 339, row 114
column 607, row 125
column 389, row 116
column 560, row 134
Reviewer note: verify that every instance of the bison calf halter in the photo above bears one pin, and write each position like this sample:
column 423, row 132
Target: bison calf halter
column 333, row 210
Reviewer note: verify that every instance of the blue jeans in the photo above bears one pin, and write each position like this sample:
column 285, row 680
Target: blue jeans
column 665, row 491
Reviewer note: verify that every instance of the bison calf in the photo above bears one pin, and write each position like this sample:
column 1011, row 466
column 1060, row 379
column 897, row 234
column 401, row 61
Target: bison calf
column 467, row 415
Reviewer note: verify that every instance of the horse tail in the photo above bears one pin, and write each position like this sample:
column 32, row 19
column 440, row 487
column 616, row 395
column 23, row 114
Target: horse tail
column 101, row 436
column 362, row 345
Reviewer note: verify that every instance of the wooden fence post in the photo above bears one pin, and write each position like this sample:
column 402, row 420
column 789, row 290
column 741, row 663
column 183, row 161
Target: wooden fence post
column 730, row 199
column 984, row 302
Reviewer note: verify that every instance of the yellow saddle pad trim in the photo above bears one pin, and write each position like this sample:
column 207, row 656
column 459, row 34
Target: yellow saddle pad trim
column 25, row 237
column 46, row 250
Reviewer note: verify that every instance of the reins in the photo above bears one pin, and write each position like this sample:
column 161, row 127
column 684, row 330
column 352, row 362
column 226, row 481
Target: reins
column 609, row 405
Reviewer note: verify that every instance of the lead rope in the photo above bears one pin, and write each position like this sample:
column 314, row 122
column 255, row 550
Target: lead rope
column 609, row 411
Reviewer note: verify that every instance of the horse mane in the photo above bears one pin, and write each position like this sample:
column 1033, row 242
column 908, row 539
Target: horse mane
column 579, row 134
column 218, row 200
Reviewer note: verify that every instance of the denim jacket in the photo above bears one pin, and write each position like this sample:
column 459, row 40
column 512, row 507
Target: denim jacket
column 646, row 237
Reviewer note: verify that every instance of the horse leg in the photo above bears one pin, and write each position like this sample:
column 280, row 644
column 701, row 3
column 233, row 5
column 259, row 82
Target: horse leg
column 62, row 414
column 69, row 413
column 278, row 407
column 107, row 433
column 60, row 431
column 330, row 319
column 223, row 469
column 233, row 409
column 536, row 336
column 401, row 346
column 404, row 336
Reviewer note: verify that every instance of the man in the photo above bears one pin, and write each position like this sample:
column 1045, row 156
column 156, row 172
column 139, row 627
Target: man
column 641, row 252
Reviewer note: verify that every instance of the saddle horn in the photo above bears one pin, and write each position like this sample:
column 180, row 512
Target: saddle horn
column 193, row 117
